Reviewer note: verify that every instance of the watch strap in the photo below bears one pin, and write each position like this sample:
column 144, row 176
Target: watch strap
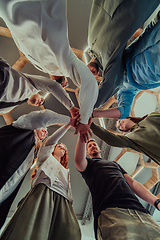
column 156, row 203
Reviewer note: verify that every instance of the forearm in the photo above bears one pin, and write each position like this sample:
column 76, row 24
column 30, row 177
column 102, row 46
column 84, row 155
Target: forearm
column 59, row 92
column 140, row 190
column 84, row 79
column 88, row 95
column 125, row 97
column 39, row 119
column 108, row 113
column 54, row 138
column 51, row 86
column 143, row 193
column 111, row 138
column 68, row 63
column 80, row 155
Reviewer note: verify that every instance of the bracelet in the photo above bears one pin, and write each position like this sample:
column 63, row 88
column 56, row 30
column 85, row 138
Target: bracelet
column 156, row 203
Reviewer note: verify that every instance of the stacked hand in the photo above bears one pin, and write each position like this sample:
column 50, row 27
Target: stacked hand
column 75, row 121
column 74, row 111
column 83, row 129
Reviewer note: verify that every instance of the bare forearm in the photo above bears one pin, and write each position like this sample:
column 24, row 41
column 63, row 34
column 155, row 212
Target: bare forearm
column 144, row 193
column 108, row 113
column 80, row 155
column 140, row 190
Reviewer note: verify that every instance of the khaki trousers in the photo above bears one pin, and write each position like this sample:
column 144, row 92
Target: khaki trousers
column 126, row 224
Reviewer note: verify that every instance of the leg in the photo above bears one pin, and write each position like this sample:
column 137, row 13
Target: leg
column 43, row 214
column 125, row 224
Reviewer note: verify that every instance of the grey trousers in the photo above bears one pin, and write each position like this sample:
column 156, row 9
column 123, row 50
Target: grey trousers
column 126, row 224
column 112, row 23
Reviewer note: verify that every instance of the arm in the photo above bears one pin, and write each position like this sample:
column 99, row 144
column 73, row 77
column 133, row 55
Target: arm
column 60, row 93
column 141, row 191
column 51, row 86
column 80, row 155
column 125, row 98
column 68, row 63
column 49, row 144
column 88, row 91
column 48, row 85
column 39, row 119
column 53, row 139
column 112, row 139
column 74, row 111
column 108, row 113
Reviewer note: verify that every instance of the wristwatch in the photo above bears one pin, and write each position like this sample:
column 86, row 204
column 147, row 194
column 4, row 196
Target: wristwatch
column 156, row 203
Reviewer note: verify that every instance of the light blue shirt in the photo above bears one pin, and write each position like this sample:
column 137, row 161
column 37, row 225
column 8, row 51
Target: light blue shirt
column 142, row 68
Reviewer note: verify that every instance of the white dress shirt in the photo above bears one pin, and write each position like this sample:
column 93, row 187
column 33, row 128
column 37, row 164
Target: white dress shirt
column 39, row 29
column 20, row 86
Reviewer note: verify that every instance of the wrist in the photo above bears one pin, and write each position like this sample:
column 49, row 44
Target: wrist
column 68, row 124
column 71, row 108
column 95, row 114
column 156, row 203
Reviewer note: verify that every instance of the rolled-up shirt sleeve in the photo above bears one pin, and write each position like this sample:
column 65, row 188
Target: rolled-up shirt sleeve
column 39, row 119
column 51, row 86
column 125, row 98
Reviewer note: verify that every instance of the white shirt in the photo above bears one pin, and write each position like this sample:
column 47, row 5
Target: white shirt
column 21, row 86
column 39, row 29
column 52, row 173
column 49, row 170
column 31, row 121
column 39, row 119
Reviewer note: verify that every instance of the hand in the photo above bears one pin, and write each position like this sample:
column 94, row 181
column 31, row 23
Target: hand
column 75, row 121
column 84, row 130
column 84, row 137
column 74, row 111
